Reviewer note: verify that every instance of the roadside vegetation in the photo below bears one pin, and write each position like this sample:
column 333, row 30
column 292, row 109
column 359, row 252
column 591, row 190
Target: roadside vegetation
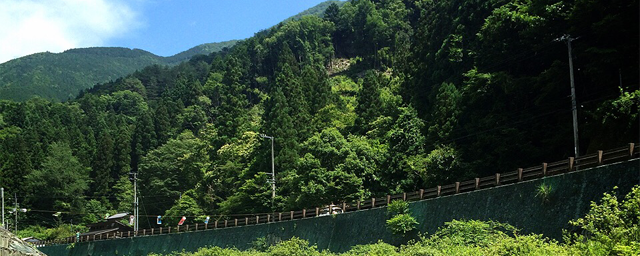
column 610, row 228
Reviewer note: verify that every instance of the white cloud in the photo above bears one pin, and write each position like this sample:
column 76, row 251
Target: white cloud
column 30, row 26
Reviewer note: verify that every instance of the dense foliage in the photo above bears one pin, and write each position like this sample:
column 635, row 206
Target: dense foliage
column 400, row 220
column 61, row 76
column 377, row 97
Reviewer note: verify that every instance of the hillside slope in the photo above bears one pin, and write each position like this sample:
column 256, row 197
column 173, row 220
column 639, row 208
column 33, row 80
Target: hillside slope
column 60, row 76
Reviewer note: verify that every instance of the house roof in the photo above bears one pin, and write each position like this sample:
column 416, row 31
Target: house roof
column 98, row 232
column 118, row 216
column 109, row 223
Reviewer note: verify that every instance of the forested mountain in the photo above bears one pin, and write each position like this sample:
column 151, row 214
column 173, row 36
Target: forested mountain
column 377, row 97
column 60, row 76
column 317, row 10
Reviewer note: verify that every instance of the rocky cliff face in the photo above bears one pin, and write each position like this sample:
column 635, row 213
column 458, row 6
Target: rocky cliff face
column 10, row 245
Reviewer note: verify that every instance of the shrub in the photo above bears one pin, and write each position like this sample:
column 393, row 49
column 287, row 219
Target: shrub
column 544, row 192
column 378, row 249
column 402, row 224
column 293, row 247
column 398, row 207
column 611, row 227
column 473, row 232
column 401, row 221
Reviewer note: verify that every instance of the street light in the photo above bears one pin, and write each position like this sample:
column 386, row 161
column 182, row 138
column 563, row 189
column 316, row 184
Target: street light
column 273, row 170
column 16, row 211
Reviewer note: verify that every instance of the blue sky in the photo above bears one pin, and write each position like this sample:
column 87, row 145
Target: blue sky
column 163, row 27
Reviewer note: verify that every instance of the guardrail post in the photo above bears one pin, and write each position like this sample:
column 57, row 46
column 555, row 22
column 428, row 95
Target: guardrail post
column 226, row 223
column 358, row 204
column 477, row 183
column 600, row 153
column 544, row 169
column 144, row 231
column 178, row 229
column 268, row 218
column 280, row 216
column 388, row 199
column 168, row 230
column 318, row 211
column 497, row 179
column 571, row 159
column 257, row 219
column 292, row 215
column 520, row 170
column 421, row 194
column 457, row 187
column 235, row 222
column 304, row 213
column 344, row 207
column 215, row 224
column 439, row 189
column 246, row 221
column 373, row 202
column 152, row 231
column 160, row 231
column 404, row 196
column 196, row 226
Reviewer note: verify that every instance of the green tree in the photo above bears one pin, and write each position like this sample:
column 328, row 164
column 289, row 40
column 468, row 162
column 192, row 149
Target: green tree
column 185, row 206
column 102, row 165
column 368, row 97
column 406, row 152
column 172, row 169
column 61, row 183
column 444, row 117
column 332, row 12
column 231, row 103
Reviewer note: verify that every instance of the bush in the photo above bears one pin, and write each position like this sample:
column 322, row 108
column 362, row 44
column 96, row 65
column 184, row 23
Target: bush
column 378, row 249
column 473, row 232
column 42, row 233
column 401, row 221
column 483, row 238
column 543, row 191
column 293, row 247
column 611, row 227
column 398, row 207
column 402, row 224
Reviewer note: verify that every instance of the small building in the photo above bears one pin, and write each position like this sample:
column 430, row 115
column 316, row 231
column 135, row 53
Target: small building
column 31, row 239
column 110, row 226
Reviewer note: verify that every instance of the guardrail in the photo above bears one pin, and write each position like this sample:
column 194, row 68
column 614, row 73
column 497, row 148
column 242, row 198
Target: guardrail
column 521, row 174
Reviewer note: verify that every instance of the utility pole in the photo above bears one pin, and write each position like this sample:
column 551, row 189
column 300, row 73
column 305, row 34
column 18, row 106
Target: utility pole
column 273, row 171
column 135, row 202
column 2, row 190
column 574, row 108
column 620, row 77
column 15, row 196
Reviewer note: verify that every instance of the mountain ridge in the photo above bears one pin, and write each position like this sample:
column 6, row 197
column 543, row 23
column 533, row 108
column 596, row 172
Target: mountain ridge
column 62, row 76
